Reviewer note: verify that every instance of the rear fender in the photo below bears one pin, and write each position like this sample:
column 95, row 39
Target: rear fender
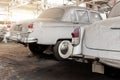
column 64, row 39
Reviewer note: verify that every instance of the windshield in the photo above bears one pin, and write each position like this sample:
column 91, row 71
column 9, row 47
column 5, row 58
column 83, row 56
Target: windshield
column 54, row 13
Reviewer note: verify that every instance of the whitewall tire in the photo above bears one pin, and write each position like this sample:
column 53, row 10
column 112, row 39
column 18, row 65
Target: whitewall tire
column 63, row 49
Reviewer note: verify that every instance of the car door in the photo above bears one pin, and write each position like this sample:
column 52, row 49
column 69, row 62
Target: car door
column 103, row 39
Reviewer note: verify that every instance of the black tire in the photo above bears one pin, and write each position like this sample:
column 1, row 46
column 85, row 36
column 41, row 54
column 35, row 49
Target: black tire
column 111, row 71
column 63, row 50
column 36, row 49
column 1, row 39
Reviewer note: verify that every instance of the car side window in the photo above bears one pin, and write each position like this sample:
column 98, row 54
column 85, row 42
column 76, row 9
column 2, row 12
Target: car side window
column 95, row 16
column 82, row 16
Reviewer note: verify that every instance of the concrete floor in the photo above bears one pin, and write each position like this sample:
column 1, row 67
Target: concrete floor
column 15, row 64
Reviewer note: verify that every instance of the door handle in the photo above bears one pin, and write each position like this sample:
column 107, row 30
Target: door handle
column 115, row 28
column 76, row 22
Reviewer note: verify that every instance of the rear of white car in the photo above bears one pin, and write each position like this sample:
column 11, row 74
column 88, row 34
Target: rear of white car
column 20, row 32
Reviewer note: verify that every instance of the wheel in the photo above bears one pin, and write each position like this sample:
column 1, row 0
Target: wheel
column 36, row 49
column 63, row 50
column 1, row 39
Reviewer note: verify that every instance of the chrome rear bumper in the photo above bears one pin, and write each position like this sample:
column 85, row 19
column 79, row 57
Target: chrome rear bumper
column 22, row 38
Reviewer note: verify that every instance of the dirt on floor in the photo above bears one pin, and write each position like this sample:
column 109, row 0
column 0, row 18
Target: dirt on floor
column 17, row 64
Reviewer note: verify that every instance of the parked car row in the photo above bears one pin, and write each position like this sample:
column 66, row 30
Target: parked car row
column 92, row 37
column 70, row 32
column 51, row 28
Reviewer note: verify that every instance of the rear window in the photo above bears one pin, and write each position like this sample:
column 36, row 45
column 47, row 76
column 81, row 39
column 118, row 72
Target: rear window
column 82, row 16
column 54, row 13
column 95, row 17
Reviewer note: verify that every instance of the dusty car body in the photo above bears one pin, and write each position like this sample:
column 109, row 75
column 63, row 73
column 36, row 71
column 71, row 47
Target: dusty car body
column 52, row 26
column 98, row 43
column 101, row 41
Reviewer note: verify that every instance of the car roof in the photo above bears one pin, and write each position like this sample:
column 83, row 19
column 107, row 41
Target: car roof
column 72, row 7
column 67, row 8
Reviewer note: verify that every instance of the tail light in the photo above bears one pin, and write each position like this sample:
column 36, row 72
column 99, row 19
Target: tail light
column 8, row 26
column 30, row 27
column 75, row 33
column 76, row 36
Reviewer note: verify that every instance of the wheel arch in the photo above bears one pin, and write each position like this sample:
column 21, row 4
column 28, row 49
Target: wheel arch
column 69, row 39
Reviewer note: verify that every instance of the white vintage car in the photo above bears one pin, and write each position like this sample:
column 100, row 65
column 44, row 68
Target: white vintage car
column 100, row 40
column 51, row 27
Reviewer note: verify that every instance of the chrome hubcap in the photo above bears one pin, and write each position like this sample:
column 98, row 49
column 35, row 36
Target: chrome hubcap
column 64, row 48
